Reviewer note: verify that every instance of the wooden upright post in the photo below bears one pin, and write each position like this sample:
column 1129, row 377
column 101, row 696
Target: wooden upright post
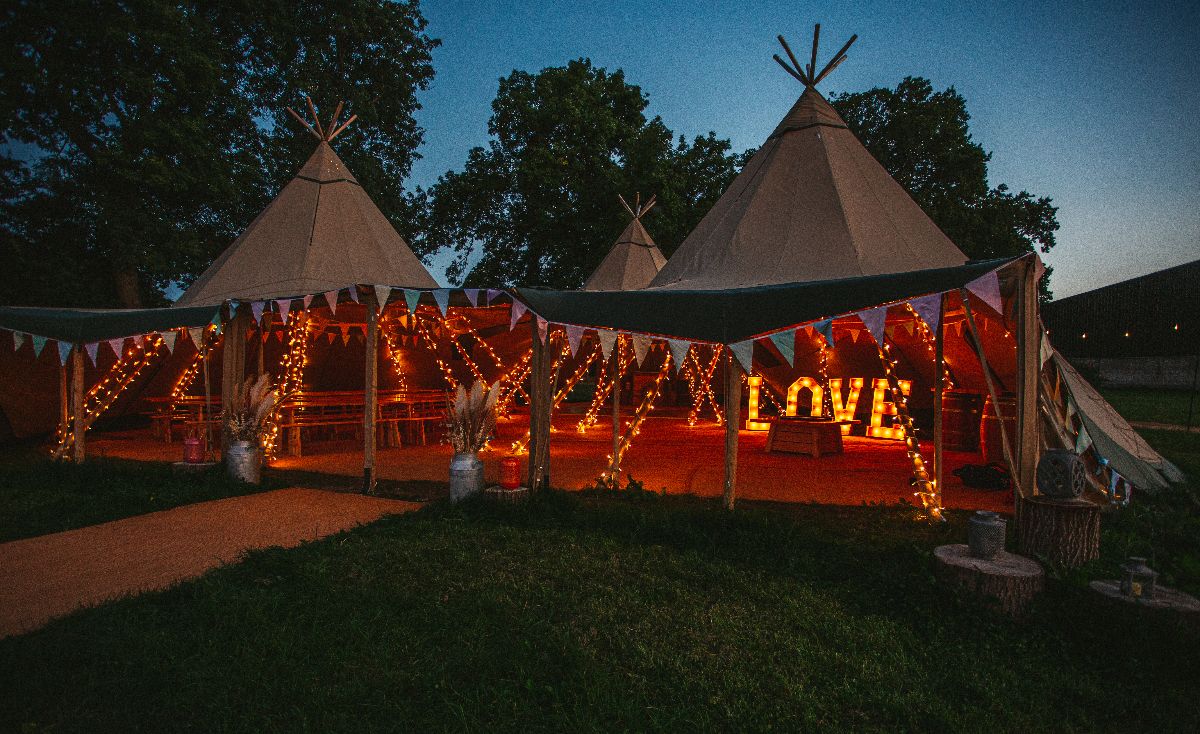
column 205, row 348
column 733, row 419
column 370, row 392
column 233, row 358
column 77, row 401
column 615, row 468
column 1028, row 337
column 939, row 387
column 64, row 406
column 535, row 406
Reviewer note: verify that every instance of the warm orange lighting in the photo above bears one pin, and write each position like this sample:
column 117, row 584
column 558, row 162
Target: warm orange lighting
column 752, row 421
column 881, row 406
column 793, row 396
column 844, row 410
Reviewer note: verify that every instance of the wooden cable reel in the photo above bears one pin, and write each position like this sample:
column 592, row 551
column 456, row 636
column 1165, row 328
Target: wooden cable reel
column 1060, row 474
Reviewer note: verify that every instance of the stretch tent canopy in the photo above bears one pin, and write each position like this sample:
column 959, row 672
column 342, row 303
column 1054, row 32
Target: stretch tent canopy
column 736, row 314
column 85, row 325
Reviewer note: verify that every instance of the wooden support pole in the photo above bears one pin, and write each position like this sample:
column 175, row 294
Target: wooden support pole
column 233, row 358
column 536, row 401
column 64, row 408
column 1028, row 335
column 205, row 348
column 615, row 468
column 370, row 392
column 939, row 389
column 77, row 401
column 546, row 398
column 733, row 419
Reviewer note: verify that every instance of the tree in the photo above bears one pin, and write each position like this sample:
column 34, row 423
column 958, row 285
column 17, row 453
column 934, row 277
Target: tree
column 921, row 137
column 147, row 132
column 538, row 204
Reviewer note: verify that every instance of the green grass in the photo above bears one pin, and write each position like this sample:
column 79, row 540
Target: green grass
column 1153, row 405
column 600, row 613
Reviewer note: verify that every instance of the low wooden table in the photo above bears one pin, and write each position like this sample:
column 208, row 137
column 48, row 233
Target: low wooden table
column 805, row 436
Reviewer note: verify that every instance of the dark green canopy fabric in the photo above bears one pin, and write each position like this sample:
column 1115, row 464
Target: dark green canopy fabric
column 83, row 325
column 729, row 316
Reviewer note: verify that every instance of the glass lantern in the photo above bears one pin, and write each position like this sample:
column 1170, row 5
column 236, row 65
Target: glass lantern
column 1137, row 579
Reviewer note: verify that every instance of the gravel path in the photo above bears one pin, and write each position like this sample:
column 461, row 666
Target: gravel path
column 52, row 575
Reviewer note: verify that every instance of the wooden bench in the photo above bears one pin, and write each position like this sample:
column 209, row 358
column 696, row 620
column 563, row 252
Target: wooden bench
column 811, row 436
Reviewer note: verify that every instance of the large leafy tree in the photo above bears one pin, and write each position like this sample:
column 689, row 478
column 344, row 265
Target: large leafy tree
column 922, row 138
column 538, row 205
column 144, row 134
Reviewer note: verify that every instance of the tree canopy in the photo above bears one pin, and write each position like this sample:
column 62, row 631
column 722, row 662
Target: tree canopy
column 538, row 205
column 143, row 135
column 922, row 138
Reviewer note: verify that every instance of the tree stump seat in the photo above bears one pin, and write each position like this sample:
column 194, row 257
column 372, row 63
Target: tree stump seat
column 1011, row 581
column 1065, row 532
column 1164, row 597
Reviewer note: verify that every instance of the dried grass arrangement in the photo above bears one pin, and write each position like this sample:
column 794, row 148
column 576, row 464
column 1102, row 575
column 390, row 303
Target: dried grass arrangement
column 253, row 405
column 472, row 417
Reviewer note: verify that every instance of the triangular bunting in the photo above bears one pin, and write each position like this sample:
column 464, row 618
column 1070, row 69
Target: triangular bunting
column 518, row 310
column 909, row 326
column 987, row 288
column 492, row 295
column 744, row 351
column 641, row 345
column 543, row 328
column 64, row 352
column 307, row 300
column 38, row 343
column 442, row 297
column 1082, row 441
column 345, row 334
column 411, row 299
column 472, row 295
column 93, row 350
column 18, row 339
column 1045, row 350
column 331, row 336
column 196, row 334
column 607, row 339
column 785, row 342
column 825, row 328
column 929, row 309
column 574, row 335
column 382, row 294
column 169, row 336
column 353, row 291
column 679, row 350
column 117, row 346
column 331, row 297
column 256, row 308
column 285, row 307
column 140, row 341
column 875, row 319
column 279, row 335
column 854, row 335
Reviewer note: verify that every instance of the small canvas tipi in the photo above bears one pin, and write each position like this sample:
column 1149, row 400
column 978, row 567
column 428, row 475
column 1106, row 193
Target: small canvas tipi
column 634, row 260
column 321, row 233
column 812, row 204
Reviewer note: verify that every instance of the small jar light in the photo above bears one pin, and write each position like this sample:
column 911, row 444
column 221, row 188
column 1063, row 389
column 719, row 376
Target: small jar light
column 1137, row 579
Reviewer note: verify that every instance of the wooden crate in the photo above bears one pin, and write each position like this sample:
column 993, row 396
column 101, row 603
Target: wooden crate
column 813, row 437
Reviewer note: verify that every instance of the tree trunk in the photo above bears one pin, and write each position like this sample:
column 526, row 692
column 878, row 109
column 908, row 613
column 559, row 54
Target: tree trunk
column 1008, row 580
column 1064, row 532
column 129, row 291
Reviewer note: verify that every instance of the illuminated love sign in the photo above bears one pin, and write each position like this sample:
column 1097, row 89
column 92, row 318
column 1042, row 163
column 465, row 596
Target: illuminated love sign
column 844, row 407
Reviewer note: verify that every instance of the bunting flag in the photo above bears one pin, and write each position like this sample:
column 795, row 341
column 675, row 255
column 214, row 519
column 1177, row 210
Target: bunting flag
column 38, row 343
column 929, row 309
column 285, row 307
column 641, row 345
column 1082, row 441
column 442, row 297
column 785, row 342
column 117, row 346
column 411, row 299
column 93, row 350
column 607, row 339
column 909, row 326
column 279, row 335
column 854, row 336
column 140, row 341
column 825, row 328
column 1045, row 351
column 196, row 333
column 265, row 333
column 307, row 302
column 574, row 336
column 472, row 295
column 353, row 291
column 382, row 294
column 169, row 336
column 331, row 336
column 345, row 335
column 256, row 308
column 493, row 294
column 987, row 288
column 331, row 297
column 64, row 351
column 1113, row 480
column 518, row 310
column 744, row 351
column 875, row 319
column 18, row 339
column 543, row 328
column 679, row 351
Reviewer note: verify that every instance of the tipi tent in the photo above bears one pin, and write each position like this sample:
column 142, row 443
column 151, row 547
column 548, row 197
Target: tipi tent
column 321, row 233
column 812, row 204
column 634, row 260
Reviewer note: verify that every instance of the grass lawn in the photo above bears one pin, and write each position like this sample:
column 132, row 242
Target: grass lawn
column 600, row 613
column 1153, row 406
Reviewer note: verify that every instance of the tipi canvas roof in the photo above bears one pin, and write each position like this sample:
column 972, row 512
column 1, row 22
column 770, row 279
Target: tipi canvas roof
column 633, row 261
column 321, row 233
column 812, row 204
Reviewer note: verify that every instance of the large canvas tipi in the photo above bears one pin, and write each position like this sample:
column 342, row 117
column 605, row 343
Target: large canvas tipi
column 634, row 260
column 321, row 233
column 812, row 204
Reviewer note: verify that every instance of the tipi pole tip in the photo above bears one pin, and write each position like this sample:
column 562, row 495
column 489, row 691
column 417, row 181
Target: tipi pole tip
column 798, row 76
column 316, row 120
column 627, row 207
column 301, row 120
column 795, row 64
column 337, row 112
column 812, row 66
column 345, row 125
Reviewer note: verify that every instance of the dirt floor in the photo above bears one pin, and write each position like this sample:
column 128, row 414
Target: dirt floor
column 49, row 576
column 667, row 454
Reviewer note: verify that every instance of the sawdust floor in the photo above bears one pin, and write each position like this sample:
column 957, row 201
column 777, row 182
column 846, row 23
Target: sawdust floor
column 52, row 575
column 668, row 454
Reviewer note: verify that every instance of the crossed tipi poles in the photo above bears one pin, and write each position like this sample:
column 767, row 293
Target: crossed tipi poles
column 807, row 74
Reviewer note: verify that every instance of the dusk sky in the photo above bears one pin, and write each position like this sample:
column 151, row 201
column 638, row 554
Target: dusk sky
column 1091, row 104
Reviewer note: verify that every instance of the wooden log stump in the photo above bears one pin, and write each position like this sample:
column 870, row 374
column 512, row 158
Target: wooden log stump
column 1009, row 580
column 1065, row 532
column 1164, row 597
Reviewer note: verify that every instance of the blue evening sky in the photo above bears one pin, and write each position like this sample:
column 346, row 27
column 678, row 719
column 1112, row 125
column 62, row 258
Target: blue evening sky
column 1092, row 104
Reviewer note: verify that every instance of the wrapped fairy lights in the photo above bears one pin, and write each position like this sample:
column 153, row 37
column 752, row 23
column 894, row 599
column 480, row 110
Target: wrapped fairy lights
column 634, row 427
column 700, row 385
column 926, row 486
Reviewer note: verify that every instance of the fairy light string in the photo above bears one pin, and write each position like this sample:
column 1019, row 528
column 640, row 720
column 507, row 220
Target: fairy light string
column 926, row 486
column 634, row 427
